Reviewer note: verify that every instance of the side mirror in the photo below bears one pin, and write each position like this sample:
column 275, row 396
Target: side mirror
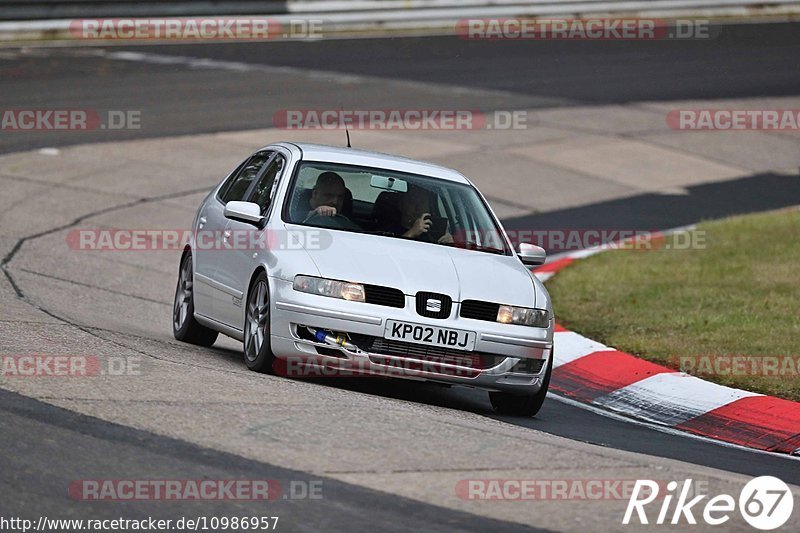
column 247, row 212
column 530, row 254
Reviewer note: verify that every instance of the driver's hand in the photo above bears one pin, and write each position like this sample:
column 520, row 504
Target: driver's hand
column 324, row 210
column 420, row 226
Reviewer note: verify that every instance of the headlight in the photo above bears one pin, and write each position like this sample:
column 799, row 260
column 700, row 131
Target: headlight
column 538, row 318
column 330, row 287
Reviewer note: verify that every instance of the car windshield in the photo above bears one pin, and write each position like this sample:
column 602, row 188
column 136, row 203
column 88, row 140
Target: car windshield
column 393, row 205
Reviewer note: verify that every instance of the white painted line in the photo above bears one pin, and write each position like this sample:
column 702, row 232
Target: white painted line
column 670, row 398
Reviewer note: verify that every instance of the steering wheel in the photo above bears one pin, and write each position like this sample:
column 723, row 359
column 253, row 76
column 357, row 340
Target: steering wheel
column 337, row 221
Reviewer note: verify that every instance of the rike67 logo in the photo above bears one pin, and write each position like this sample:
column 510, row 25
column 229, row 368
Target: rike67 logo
column 766, row 503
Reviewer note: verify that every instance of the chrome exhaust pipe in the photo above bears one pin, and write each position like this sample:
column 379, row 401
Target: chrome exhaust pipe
column 339, row 340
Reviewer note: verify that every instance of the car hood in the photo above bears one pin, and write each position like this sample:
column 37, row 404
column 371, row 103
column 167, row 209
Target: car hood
column 416, row 266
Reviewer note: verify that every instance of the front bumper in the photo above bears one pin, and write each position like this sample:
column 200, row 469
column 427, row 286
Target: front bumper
column 495, row 362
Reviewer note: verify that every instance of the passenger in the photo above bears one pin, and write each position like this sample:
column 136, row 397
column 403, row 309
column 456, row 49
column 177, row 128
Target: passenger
column 416, row 219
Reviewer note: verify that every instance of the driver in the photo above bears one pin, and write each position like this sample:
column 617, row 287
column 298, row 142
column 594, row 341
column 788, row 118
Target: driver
column 327, row 196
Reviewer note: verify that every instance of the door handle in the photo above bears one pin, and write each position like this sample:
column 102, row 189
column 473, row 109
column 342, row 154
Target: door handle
column 202, row 222
column 225, row 235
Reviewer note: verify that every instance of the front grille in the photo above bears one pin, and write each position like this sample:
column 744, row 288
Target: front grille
column 479, row 310
column 436, row 354
column 375, row 294
column 434, row 305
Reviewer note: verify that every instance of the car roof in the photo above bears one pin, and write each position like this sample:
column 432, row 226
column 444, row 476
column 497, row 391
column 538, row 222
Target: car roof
column 354, row 156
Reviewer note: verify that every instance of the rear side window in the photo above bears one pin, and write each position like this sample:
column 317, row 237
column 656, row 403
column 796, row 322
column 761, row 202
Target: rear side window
column 239, row 183
column 230, row 179
column 262, row 194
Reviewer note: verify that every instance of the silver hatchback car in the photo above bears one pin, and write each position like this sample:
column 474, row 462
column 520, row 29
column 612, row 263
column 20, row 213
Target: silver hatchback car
column 331, row 261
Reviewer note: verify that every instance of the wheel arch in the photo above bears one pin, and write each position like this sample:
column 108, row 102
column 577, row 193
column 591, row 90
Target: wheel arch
column 246, row 296
column 186, row 250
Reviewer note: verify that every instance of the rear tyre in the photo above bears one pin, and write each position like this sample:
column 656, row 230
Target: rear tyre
column 258, row 354
column 506, row 403
column 184, row 326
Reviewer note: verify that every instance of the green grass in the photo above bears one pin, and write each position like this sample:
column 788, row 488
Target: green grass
column 738, row 295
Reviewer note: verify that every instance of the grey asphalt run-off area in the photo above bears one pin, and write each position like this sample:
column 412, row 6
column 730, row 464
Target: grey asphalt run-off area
column 595, row 152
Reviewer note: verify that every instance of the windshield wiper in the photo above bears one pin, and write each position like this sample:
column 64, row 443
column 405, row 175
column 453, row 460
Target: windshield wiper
column 475, row 246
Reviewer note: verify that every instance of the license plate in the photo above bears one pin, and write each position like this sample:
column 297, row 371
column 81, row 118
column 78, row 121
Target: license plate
column 455, row 339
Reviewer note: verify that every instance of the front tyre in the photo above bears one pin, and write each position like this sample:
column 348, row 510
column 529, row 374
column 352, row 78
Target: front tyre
column 184, row 326
column 258, row 354
column 506, row 403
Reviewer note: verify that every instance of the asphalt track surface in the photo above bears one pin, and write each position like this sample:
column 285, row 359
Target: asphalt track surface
column 44, row 445
column 742, row 61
